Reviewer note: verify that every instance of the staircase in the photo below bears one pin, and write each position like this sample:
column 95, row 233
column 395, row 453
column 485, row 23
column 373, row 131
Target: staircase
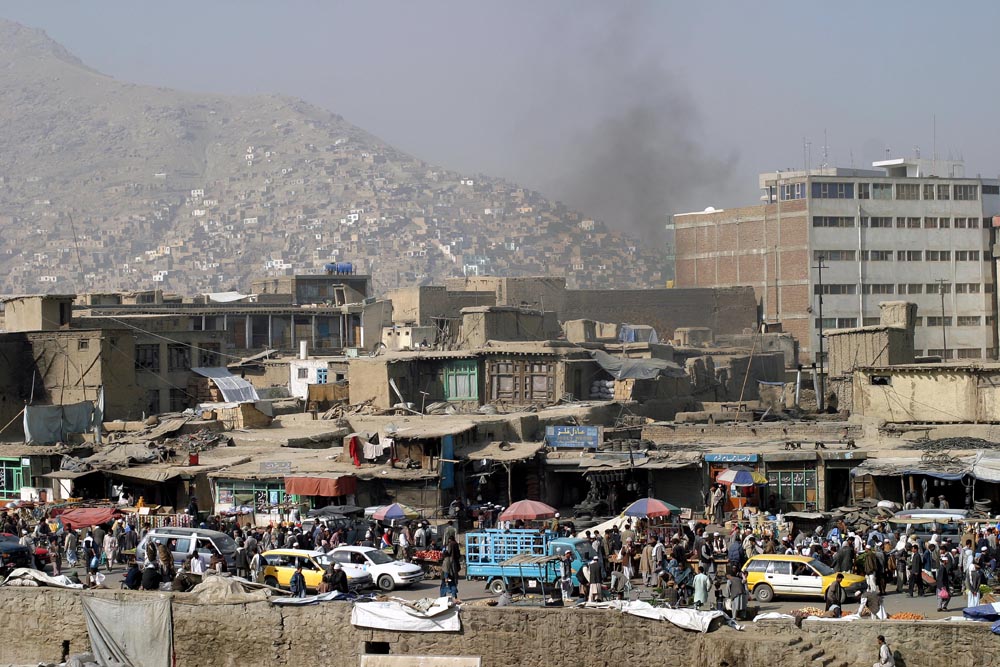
column 814, row 655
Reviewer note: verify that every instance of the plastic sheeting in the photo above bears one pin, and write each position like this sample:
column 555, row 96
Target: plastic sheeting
column 440, row 616
column 327, row 487
column 636, row 369
column 84, row 517
column 686, row 619
column 234, row 389
column 138, row 633
column 49, row 424
column 26, row 576
column 332, row 596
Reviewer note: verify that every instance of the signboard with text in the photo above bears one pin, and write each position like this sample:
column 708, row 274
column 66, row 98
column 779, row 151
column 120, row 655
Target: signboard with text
column 730, row 458
column 276, row 466
column 573, row 437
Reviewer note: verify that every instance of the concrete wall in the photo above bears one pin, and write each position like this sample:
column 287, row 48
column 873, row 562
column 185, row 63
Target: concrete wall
column 933, row 395
column 41, row 622
column 875, row 346
column 37, row 313
column 420, row 304
column 369, row 380
column 480, row 325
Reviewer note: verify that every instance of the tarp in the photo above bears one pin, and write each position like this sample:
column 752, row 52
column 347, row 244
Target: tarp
column 225, row 297
column 332, row 596
column 328, row 487
column 130, row 632
column 686, row 619
column 636, row 369
column 234, row 389
column 85, row 517
column 26, row 576
column 49, row 424
column 983, row 612
column 440, row 616
column 637, row 333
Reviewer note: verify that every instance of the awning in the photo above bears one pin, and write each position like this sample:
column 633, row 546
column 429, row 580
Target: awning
column 143, row 474
column 234, row 389
column 68, row 474
column 952, row 468
column 328, row 487
column 638, row 369
column 84, row 517
column 499, row 451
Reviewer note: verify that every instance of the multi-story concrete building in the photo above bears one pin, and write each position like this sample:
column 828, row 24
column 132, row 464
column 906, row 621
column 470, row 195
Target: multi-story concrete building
column 909, row 229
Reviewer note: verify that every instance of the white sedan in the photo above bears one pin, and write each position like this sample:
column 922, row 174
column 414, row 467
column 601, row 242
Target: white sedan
column 385, row 572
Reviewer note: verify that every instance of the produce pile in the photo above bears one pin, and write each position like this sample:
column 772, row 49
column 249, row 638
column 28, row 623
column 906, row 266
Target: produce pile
column 429, row 555
column 907, row 616
column 806, row 612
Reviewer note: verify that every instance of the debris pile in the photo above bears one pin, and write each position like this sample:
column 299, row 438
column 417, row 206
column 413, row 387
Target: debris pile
column 947, row 444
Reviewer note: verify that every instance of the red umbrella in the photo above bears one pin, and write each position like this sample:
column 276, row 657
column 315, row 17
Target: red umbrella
column 527, row 510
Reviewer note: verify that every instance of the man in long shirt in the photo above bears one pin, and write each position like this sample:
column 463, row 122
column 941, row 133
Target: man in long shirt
column 916, row 572
column 885, row 658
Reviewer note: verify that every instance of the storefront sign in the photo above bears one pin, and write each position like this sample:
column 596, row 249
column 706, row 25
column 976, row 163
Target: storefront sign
column 276, row 466
column 573, row 437
column 731, row 458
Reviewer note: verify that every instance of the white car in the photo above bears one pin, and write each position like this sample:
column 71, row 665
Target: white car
column 385, row 572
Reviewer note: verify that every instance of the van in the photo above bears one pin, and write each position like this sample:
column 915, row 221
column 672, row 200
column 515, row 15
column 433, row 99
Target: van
column 183, row 542
column 923, row 523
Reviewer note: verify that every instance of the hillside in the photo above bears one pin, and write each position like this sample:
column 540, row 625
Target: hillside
column 193, row 192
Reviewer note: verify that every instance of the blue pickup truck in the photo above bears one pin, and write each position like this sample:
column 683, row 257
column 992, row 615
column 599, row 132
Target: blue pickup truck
column 529, row 557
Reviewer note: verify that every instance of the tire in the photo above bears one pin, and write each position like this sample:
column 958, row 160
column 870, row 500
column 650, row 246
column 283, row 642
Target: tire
column 497, row 587
column 763, row 593
column 271, row 581
column 386, row 582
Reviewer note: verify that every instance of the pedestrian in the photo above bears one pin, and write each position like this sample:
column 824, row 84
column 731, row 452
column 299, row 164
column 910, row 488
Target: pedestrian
column 594, row 577
column 133, row 576
column 257, row 564
column 916, row 572
column 835, row 595
column 974, row 579
column 566, row 575
column 338, row 580
column 885, row 658
column 241, row 561
column 869, row 564
column 626, row 556
column 109, row 550
column 151, row 577
column 297, row 584
column 646, row 563
column 72, row 545
column 943, row 585
column 737, row 594
column 702, row 587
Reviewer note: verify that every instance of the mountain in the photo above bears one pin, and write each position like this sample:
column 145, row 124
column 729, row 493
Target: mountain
column 106, row 185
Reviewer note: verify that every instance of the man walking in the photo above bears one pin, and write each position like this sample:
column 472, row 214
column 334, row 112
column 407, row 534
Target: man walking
column 916, row 572
column 835, row 594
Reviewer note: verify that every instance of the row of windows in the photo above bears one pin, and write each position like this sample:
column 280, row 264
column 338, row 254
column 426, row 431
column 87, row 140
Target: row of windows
column 931, row 321
column 882, row 222
column 960, row 353
column 906, row 288
column 147, row 356
column 901, row 255
column 899, row 191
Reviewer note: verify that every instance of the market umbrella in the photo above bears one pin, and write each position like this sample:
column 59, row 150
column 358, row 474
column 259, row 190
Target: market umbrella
column 394, row 512
column 527, row 510
column 740, row 476
column 650, row 508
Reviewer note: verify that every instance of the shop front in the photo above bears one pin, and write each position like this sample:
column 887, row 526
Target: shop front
column 792, row 482
column 736, row 496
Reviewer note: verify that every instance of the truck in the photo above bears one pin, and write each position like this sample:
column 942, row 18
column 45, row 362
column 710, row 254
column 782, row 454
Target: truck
column 528, row 557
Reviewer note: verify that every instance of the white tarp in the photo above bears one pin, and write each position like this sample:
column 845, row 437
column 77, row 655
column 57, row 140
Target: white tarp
column 130, row 633
column 440, row 616
column 687, row 619
column 234, row 389
column 332, row 596
column 26, row 576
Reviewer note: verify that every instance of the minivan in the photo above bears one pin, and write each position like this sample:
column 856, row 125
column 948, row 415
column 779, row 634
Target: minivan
column 183, row 542
column 924, row 522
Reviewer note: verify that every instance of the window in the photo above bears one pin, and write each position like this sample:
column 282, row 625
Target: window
column 179, row 401
column 969, row 353
column 321, row 375
column 907, row 191
column 11, row 476
column 461, row 381
column 944, row 191
column 928, row 191
column 522, row 382
column 147, row 358
column 864, row 191
column 938, row 255
column 793, row 191
column 966, row 192
column 834, row 255
column 938, row 288
column 878, row 288
column 833, row 190
column 991, row 320
column 302, row 374
column 944, row 223
column 930, row 223
column 938, row 321
column 826, row 323
column 936, row 352
column 907, row 223
column 870, row 321
column 877, row 223
column 966, row 255
column 880, row 380
column 876, row 255
column 153, row 402
column 969, row 320
column 967, row 288
column 909, row 255
column 966, row 223
column 209, row 354
column 918, row 321
column 836, row 288
column 793, row 486
column 911, row 288
column 832, row 221
column 83, row 344
column 881, row 190
column 988, row 288
column 991, row 189
column 178, row 357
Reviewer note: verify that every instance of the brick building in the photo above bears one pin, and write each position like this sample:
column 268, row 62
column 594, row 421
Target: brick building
column 884, row 234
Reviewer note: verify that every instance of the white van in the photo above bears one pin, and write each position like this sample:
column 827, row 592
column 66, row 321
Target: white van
column 183, row 542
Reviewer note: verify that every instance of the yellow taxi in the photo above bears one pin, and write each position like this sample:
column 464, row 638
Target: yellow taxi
column 281, row 564
column 777, row 574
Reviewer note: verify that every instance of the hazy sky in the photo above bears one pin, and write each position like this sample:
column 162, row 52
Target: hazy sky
column 624, row 109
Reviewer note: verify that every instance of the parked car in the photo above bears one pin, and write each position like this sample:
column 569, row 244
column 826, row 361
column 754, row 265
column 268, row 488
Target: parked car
column 13, row 555
column 281, row 564
column 183, row 542
column 386, row 572
column 777, row 574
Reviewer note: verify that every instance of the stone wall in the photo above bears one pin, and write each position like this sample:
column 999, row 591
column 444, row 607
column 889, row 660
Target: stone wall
column 38, row 622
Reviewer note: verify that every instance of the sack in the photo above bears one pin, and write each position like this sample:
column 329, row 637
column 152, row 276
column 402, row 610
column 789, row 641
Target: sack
column 944, row 594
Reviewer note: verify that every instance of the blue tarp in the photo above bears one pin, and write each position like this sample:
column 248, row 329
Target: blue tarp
column 49, row 424
column 983, row 612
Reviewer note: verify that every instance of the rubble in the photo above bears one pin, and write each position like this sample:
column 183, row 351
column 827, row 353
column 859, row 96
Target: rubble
column 955, row 443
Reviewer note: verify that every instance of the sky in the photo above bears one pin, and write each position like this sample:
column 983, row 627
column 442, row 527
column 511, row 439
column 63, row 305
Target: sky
column 628, row 111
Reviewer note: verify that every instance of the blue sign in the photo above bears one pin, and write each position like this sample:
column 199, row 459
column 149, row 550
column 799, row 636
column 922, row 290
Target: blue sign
column 573, row 437
column 730, row 458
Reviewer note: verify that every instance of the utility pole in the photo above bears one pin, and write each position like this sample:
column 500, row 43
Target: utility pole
column 944, row 335
column 819, row 399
